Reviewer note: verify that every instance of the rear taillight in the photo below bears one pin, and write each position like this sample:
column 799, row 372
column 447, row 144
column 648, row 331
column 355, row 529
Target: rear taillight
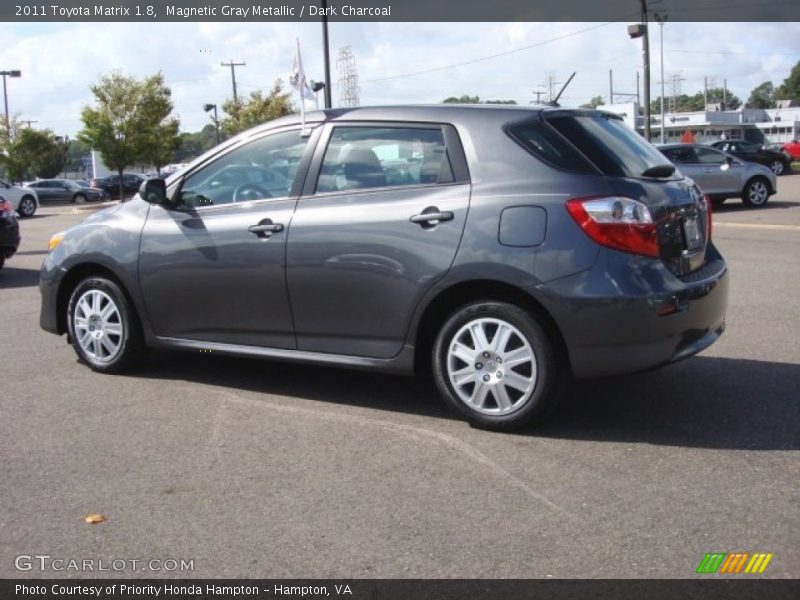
column 616, row 222
column 5, row 208
column 709, row 217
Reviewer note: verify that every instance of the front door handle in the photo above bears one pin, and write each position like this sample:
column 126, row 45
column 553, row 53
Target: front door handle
column 265, row 228
column 431, row 216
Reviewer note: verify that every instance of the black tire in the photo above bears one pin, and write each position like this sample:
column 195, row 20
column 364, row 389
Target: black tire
column 130, row 342
column 79, row 199
column 2, row 261
column 717, row 202
column 777, row 166
column 547, row 382
column 27, row 207
column 756, row 192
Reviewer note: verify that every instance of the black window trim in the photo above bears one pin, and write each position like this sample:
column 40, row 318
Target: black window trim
column 454, row 152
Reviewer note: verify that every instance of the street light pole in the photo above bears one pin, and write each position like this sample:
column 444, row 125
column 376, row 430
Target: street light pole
column 12, row 73
column 661, row 20
column 208, row 107
column 646, row 44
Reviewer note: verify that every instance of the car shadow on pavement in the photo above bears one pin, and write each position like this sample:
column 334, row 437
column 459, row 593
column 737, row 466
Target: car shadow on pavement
column 704, row 402
column 11, row 277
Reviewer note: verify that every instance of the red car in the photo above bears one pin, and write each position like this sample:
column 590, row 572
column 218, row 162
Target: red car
column 792, row 148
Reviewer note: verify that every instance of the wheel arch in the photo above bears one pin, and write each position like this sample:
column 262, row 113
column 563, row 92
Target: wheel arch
column 448, row 300
column 73, row 277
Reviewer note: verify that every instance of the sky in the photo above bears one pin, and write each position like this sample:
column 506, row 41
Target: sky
column 397, row 62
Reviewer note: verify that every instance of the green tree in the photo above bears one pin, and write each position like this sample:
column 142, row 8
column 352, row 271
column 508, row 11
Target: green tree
column 790, row 88
column 31, row 153
column 259, row 108
column 128, row 120
column 462, row 100
column 594, row 102
column 194, row 144
column 762, row 96
column 160, row 130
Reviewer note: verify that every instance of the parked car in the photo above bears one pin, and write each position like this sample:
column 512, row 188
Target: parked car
column 792, row 149
column 777, row 161
column 110, row 185
column 721, row 175
column 9, row 231
column 66, row 190
column 506, row 249
column 23, row 199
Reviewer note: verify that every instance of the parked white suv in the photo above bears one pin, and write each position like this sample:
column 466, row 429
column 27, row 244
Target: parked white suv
column 24, row 200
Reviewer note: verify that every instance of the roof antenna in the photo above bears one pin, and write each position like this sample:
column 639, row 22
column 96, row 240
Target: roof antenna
column 554, row 101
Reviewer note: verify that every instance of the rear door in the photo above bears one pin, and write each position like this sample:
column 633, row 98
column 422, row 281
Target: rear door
column 379, row 222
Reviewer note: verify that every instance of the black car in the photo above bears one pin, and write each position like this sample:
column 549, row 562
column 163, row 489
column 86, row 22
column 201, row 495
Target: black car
column 110, row 185
column 66, row 189
column 9, row 231
column 778, row 162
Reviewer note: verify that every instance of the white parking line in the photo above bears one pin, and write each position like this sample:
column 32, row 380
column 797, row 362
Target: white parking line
column 758, row 226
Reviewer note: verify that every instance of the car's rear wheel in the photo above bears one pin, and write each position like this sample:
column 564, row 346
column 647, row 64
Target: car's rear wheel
column 27, row 206
column 777, row 167
column 103, row 326
column 756, row 192
column 495, row 364
column 717, row 202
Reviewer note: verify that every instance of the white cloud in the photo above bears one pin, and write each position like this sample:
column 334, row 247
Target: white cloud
column 60, row 61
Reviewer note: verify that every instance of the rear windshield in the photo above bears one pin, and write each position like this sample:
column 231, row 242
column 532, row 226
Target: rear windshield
column 607, row 142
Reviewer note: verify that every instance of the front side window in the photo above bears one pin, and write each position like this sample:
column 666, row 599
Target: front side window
column 261, row 169
column 681, row 156
column 375, row 157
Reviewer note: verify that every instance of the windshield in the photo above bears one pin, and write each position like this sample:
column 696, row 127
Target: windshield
column 610, row 144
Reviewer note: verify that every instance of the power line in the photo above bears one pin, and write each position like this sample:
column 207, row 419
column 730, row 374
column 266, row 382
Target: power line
column 498, row 54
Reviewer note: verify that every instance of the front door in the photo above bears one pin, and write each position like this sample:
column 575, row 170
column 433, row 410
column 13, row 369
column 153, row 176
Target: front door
column 379, row 223
column 213, row 267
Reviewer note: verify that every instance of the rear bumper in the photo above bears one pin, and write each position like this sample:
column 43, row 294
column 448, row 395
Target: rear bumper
column 619, row 320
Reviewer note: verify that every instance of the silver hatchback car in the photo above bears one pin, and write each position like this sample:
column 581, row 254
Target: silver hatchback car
column 722, row 175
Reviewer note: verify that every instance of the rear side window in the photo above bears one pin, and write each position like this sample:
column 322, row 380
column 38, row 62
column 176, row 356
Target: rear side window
column 548, row 145
column 607, row 142
column 375, row 157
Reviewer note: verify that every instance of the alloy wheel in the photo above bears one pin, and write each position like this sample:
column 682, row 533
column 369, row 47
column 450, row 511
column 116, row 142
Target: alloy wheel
column 98, row 326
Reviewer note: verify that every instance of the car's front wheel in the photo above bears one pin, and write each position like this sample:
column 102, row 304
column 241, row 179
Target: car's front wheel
column 27, row 206
column 777, row 167
column 495, row 364
column 756, row 192
column 103, row 326
column 79, row 199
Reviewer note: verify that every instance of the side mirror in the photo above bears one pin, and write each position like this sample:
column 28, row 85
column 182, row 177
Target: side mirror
column 154, row 191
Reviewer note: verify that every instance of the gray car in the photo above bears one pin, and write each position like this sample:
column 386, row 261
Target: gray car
column 66, row 190
column 502, row 250
column 723, row 176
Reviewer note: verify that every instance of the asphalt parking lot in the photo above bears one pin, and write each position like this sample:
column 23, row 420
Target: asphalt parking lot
column 260, row 469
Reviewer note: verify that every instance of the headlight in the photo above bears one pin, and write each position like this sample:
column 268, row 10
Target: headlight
column 56, row 240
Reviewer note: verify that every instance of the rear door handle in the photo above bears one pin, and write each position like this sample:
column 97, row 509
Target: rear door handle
column 431, row 216
column 265, row 228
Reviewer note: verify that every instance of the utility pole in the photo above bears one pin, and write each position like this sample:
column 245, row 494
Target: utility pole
column 538, row 96
column 233, row 66
column 327, row 56
column 550, row 84
column 12, row 73
column 724, row 94
column 661, row 20
column 637, row 88
column 28, row 122
column 611, row 86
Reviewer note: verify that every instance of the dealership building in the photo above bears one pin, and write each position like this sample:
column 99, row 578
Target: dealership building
column 763, row 126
